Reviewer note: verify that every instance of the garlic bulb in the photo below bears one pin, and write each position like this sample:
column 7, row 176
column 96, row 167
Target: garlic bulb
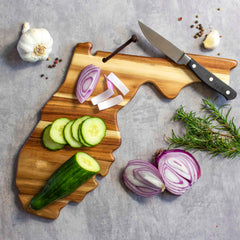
column 34, row 44
column 212, row 40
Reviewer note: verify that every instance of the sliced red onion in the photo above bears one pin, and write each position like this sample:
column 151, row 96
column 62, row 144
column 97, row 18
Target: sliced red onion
column 87, row 82
column 109, row 83
column 110, row 102
column 102, row 96
column 118, row 83
column 143, row 178
column 179, row 170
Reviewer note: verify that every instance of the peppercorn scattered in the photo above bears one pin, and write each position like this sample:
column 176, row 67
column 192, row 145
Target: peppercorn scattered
column 46, row 77
column 197, row 16
column 60, row 60
column 191, row 26
column 180, row 19
column 219, row 9
column 53, row 65
column 219, row 54
column 48, row 59
column 42, row 75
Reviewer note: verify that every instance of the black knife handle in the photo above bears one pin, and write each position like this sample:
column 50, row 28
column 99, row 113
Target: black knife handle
column 211, row 80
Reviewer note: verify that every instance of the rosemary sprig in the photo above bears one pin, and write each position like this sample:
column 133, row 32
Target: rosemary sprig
column 214, row 133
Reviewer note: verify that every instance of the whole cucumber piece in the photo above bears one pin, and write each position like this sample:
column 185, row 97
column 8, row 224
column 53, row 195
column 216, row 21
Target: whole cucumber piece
column 66, row 179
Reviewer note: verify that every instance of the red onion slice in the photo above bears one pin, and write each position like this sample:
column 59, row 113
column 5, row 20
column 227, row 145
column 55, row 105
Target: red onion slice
column 87, row 82
column 109, row 83
column 110, row 102
column 143, row 178
column 118, row 83
column 179, row 170
column 102, row 96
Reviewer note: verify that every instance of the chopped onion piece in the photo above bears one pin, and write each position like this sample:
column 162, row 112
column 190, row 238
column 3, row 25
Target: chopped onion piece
column 110, row 102
column 118, row 83
column 87, row 82
column 102, row 96
column 109, row 83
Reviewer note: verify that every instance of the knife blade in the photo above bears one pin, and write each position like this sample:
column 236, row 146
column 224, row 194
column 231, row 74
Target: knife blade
column 180, row 57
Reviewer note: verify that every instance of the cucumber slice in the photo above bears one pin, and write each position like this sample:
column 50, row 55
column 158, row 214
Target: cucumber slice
column 76, row 125
column 72, row 174
column 48, row 142
column 93, row 130
column 67, row 131
column 81, row 138
column 56, row 130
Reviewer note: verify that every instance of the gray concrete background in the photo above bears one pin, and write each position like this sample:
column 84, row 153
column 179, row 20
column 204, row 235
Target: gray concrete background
column 210, row 210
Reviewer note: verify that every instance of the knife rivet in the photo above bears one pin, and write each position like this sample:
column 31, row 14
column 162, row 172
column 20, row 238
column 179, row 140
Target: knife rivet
column 227, row 92
column 194, row 66
column 211, row 79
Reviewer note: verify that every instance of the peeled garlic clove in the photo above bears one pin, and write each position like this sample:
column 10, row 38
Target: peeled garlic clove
column 212, row 40
column 35, row 44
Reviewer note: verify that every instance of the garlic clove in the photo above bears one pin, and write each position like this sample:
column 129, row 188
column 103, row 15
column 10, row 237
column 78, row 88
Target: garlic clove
column 212, row 40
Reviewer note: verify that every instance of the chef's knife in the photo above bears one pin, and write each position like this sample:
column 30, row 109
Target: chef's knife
column 180, row 57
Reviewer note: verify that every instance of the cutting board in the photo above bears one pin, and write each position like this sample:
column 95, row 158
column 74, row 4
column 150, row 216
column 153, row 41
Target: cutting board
column 36, row 163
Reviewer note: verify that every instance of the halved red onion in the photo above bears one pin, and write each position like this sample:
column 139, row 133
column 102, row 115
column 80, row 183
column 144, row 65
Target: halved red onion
column 118, row 83
column 143, row 178
column 179, row 170
column 110, row 102
column 87, row 82
column 102, row 96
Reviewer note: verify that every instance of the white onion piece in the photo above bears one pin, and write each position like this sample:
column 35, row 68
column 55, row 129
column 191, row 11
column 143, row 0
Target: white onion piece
column 110, row 102
column 118, row 83
column 102, row 96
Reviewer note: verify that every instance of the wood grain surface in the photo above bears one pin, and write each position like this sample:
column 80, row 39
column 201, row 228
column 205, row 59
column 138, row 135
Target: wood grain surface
column 36, row 163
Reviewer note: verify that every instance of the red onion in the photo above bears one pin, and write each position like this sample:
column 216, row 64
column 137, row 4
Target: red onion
column 143, row 178
column 87, row 82
column 179, row 170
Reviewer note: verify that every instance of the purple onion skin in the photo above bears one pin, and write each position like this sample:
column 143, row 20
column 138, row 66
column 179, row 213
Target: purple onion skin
column 186, row 179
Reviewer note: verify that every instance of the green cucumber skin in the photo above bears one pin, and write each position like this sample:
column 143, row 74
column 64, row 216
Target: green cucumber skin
column 63, row 182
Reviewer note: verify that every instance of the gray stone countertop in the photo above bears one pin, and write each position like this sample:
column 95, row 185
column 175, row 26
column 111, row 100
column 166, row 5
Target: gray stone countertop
column 209, row 210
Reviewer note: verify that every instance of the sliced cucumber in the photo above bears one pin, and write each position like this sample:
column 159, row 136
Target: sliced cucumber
column 56, row 130
column 81, row 138
column 48, row 142
column 67, row 131
column 93, row 130
column 66, row 179
column 76, row 125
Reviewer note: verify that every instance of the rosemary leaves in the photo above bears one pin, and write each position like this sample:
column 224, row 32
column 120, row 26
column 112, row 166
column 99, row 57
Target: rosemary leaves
column 215, row 133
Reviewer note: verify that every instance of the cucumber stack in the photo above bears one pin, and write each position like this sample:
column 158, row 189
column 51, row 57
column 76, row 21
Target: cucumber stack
column 84, row 131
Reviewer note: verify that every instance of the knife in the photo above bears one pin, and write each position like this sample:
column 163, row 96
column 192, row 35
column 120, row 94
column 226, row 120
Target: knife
column 180, row 57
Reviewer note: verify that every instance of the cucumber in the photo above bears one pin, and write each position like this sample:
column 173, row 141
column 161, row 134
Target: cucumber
column 67, row 131
column 56, row 130
column 76, row 125
column 81, row 138
column 93, row 130
column 72, row 174
column 48, row 142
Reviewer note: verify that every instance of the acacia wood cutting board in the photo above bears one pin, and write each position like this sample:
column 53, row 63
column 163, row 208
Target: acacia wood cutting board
column 36, row 163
